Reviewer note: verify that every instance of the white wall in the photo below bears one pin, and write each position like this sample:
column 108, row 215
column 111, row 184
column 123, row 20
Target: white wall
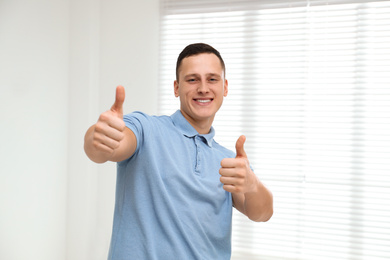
column 59, row 64
column 34, row 47
column 112, row 42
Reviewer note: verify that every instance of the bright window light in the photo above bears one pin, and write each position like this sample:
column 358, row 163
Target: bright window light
column 309, row 85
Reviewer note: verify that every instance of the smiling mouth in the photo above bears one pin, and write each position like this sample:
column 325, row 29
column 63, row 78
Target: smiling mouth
column 204, row 100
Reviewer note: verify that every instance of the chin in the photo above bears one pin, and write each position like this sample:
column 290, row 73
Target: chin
column 205, row 115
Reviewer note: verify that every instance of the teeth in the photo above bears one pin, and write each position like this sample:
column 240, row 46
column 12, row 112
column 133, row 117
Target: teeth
column 204, row 100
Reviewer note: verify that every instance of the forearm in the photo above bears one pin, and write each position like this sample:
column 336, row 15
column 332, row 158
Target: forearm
column 258, row 205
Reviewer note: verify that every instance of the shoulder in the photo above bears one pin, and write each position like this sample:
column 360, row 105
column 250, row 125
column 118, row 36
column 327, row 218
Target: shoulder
column 137, row 115
column 142, row 125
column 147, row 129
column 144, row 119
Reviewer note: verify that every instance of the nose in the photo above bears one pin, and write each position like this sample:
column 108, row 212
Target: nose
column 202, row 87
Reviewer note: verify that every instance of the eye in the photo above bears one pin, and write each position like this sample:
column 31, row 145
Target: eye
column 191, row 80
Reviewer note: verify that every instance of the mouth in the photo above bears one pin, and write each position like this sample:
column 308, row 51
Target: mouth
column 203, row 100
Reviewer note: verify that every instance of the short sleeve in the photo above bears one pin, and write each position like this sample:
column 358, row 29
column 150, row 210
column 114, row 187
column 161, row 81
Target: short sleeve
column 138, row 123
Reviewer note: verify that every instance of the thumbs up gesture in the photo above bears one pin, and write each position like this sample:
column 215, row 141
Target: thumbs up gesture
column 109, row 129
column 236, row 174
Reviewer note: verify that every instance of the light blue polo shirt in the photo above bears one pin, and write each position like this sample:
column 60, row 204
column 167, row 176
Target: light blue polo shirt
column 170, row 203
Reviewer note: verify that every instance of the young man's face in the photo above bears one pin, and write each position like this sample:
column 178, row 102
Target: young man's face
column 201, row 87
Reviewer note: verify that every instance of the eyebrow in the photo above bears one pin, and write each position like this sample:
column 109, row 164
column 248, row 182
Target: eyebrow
column 191, row 75
column 207, row 75
column 214, row 75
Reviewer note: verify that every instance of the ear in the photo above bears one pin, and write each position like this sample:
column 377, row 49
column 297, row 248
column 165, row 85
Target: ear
column 226, row 89
column 176, row 88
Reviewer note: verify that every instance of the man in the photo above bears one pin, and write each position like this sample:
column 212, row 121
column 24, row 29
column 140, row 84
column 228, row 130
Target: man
column 176, row 186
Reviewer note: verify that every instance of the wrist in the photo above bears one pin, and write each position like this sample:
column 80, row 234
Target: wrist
column 255, row 184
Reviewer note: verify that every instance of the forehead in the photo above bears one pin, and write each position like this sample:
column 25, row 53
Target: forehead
column 204, row 63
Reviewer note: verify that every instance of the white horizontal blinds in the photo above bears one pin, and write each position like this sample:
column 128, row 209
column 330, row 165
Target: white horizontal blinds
column 313, row 128
column 309, row 85
column 347, row 130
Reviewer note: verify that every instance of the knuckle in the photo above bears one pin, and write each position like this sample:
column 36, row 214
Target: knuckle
column 241, row 163
column 106, row 116
column 99, row 127
column 238, row 173
column 95, row 144
column 223, row 161
column 100, row 147
column 97, row 137
column 121, row 136
column 115, row 144
column 122, row 126
column 228, row 188
column 103, row 117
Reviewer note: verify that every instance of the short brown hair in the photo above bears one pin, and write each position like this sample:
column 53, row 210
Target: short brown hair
column 195, row 49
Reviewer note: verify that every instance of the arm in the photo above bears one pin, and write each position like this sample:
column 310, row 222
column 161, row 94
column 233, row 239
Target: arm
column 250, row 196
column 256, row 205
column 109, row 139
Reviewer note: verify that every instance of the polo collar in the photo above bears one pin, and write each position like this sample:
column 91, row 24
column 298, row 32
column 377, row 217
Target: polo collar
column 188, row 130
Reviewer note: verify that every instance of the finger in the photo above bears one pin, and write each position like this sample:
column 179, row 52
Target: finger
column 111, row 119
column 228, row 163
column 103, row 148
column 102, row 129
column 240, row 152
column 119, row 100
column 234, row 162
column 117, row 124
column 106, row 144
column 230, row 181
column 228, row 172
column 230, row 188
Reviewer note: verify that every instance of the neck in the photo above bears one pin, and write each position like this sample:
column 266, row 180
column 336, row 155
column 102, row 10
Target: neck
column 201, row 126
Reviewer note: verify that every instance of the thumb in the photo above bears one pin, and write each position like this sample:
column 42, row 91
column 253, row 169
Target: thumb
column 240, row 152
column 119, row 100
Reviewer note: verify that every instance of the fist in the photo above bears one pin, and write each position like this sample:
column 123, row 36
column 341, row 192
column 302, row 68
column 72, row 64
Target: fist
column 236, row 174
column 109, row 129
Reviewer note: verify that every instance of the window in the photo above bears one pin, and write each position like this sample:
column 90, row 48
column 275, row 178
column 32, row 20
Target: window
column 309, row 85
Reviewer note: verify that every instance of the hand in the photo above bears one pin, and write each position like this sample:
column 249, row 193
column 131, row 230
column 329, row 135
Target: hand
column 236, row 174
column 109, row 129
